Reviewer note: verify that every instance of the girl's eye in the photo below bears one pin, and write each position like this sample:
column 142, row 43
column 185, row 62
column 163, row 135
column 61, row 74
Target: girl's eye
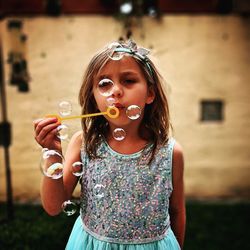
column 130, row 81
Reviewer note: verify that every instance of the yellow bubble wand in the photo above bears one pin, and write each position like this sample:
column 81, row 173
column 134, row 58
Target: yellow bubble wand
column 111, row 112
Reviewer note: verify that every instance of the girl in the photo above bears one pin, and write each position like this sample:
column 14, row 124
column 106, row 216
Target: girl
column 132, row 192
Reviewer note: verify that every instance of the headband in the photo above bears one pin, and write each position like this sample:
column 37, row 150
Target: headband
column 132, row 49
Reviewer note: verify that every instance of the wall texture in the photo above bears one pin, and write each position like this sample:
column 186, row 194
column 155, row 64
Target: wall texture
column 201, row 57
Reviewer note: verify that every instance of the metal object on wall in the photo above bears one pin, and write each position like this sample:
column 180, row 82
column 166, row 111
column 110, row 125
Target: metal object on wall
column 5, row 132
column 19, row 75
column 53, row 7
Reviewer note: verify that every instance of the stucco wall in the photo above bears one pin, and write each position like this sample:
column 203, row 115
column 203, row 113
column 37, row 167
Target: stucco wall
column 201, row 57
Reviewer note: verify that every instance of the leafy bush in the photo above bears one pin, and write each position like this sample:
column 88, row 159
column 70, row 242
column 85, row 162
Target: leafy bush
column 210, row 226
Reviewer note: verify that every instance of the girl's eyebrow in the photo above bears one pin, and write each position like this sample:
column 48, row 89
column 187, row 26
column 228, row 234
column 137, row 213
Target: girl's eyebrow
column 135, row 73
column 103, row 76
column 123, row 73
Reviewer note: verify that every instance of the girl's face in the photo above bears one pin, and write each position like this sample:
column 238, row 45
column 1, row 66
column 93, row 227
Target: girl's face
column 130, row 88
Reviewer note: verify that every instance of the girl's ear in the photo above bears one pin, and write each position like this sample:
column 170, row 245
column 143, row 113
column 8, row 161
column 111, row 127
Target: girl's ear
column 151, row 95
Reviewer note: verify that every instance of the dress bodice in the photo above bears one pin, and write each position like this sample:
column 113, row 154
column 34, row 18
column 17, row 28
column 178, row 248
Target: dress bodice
column 124, row 199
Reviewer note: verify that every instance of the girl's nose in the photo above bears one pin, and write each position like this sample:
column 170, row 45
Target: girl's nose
column 117, row 90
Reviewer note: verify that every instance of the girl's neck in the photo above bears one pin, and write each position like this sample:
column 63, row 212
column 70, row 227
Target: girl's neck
column 132, row 142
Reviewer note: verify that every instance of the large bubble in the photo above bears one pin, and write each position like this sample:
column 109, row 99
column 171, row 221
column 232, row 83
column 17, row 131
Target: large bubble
column 106, row 87
column 133, row 112
column 65, row 108
column 52, row 163
column 63, row 132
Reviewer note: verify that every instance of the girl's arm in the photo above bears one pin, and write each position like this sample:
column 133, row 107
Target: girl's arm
column 177, row 201
column 55, row 192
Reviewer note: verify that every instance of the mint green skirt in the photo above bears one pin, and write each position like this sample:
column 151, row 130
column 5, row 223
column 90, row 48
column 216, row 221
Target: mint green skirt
column 81, row 240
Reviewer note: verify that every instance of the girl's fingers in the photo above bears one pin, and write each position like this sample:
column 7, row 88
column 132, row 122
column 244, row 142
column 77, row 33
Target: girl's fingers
column 45, row 130
column 35, row 122
column 39, row 124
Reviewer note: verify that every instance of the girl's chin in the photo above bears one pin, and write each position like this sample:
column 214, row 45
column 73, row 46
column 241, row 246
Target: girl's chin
column 119, row 122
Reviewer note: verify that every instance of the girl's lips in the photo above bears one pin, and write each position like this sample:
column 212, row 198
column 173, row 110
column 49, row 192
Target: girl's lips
column 118, row 105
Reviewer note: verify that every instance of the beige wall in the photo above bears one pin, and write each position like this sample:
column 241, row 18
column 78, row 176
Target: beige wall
column 200, row 56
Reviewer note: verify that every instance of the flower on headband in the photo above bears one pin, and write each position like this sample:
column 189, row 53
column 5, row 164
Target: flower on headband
column 118, row 50
column 140, row 50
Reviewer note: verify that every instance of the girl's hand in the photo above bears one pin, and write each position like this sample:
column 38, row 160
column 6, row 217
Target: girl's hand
column 46, row 133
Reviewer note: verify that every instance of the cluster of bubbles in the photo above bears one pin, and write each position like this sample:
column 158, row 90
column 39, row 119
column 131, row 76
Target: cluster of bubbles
column 52, row 166
column 64, row 109
column 70, row 207
column 106, row 88
column 52, row 162
column 133, row 112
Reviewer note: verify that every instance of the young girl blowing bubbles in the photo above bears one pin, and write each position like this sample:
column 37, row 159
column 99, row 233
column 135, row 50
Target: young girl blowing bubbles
column 132, row 191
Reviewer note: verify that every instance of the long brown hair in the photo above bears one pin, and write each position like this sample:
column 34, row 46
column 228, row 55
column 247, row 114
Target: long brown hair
column 156, row 118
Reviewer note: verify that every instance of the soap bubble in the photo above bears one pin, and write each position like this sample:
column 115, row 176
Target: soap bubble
column 65, row 108
column 119, row 134
column 133, row 112
column 44, row 150
column 113, row 54
column 77, row 168
column 63, row 132
column 99, row 190
column 110, row 101
column 52, row 163
column 106, row 87
column 69, row 207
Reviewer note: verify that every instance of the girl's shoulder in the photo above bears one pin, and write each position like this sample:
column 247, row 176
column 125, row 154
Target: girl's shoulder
column 171, row 149
column 178, row 158
column 167, row 146
column 177, row 148
column 76, row 140
column 77, row 136
column 174, row 145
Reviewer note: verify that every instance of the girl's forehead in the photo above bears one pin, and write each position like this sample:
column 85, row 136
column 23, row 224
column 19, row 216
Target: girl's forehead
column 127, row 63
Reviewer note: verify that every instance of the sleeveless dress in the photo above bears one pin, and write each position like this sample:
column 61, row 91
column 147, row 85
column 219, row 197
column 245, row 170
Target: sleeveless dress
column 125, row 201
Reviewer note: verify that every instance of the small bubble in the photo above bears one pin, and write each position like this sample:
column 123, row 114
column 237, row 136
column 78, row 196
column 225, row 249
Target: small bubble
column 119, row 134
column 115, row 55
column 99, row 190
column 63, row 132
column 52, row 164
column 44, row 150
column 77, row 169
column 110, row 101
column 69, row 207
column 65, row 108
column 106, row 87
column 133, row 112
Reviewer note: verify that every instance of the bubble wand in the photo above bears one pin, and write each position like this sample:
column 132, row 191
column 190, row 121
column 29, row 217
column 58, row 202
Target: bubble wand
column 111, row 112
